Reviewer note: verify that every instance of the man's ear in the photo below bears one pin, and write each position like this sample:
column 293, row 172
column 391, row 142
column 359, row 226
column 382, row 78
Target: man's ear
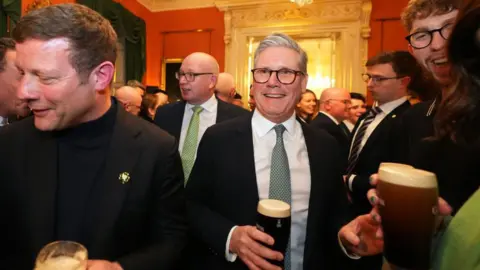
column 213, row 81
column 102, row 75
column 406, row 81
column 410, row 49
column 233, row 92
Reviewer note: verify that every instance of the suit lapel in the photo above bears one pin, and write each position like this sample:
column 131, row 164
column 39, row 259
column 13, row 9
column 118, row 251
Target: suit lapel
column 109, row 193
column 245, row 143
column 177, row 119
column 41, row 176
column 384, row 123
column 315, row 188
column 222, row 112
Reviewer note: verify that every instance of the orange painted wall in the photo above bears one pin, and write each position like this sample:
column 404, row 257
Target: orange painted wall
column 388, row 33
column 25, row 3
column 387, row 30
column 172, row 34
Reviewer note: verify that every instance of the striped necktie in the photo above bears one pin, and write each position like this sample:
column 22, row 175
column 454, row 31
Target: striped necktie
column 280, row 186
column 355, row 152
column 190, row 143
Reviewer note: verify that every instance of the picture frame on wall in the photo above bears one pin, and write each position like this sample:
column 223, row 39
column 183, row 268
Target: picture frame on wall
column 168, row 81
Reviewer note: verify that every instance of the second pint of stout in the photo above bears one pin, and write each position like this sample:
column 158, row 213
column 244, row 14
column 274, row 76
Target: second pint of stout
column 273, row 218
column 409, row 198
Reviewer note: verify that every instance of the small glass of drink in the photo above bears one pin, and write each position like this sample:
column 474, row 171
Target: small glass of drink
column 62, row 255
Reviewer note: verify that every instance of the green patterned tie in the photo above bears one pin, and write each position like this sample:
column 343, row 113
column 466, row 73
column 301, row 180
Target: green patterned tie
column 280, row 187
column 190, row 142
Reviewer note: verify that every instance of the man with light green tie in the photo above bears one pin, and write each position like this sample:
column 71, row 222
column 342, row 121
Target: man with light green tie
column 187, row 120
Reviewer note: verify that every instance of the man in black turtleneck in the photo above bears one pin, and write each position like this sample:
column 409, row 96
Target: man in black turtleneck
column 82, row 169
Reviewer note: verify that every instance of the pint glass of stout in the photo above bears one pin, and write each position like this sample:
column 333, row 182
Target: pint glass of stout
column 62, row 255
column 273, row 218
column 409, row 197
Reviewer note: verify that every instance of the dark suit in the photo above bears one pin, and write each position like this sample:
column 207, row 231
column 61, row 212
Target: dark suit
column 222, row 192
column 170, row 116
column 324, row 122
column 378, row 148
column 140, row 224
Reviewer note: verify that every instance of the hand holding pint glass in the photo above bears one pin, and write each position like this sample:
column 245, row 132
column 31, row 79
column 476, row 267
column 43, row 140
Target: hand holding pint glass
column 263, row 246
column 273, row 218
column 62, row 255
column 407, row 206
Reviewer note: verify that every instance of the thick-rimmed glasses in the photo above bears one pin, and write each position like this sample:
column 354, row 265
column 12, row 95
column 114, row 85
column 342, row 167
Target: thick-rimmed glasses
column 190, row 76
column 377, row 79
column 423, row 39
column 284, row 75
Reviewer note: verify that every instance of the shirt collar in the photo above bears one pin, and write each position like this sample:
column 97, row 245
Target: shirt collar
column 3, row 121
column 349, row 125
column 390, row 106
column 331, row 117
column 262, row 125
column 210, row 105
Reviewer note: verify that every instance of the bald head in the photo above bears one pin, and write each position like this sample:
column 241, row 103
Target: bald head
column 336, row 102
column 225, row 87
column 202, row 70
column 203, row 60
column 130, row 98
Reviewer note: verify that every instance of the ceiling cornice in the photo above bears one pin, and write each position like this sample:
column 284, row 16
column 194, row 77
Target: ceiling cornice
column 166, row 5
column 223, row 5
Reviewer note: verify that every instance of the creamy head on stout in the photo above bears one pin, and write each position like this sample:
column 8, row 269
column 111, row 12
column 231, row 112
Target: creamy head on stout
column 406, row 175
column 77, row 262
column 274, row 208
column 391, row 164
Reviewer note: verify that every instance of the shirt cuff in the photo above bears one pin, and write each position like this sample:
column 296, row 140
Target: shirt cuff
column 231, row 257
column 350, row 182
column 350, row 255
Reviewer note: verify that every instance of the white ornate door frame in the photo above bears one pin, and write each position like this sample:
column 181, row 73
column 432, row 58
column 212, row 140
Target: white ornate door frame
column 348, row 19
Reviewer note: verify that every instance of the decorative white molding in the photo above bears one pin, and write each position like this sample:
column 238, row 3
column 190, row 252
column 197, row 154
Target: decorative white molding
column 166, row 5
column 348, row 20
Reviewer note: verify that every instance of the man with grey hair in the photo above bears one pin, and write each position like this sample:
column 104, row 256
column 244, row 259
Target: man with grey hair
column 274, row 156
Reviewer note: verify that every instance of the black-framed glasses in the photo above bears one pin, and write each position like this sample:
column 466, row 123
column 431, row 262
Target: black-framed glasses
column 190, row 76
column 284, row 75
column 378, row 79
column 423, row 39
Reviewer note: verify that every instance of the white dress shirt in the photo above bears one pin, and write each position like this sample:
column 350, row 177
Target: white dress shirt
column 264, row 139
column 349, row 125
column 331, row 117
column 208, row 118
column 386, row 109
